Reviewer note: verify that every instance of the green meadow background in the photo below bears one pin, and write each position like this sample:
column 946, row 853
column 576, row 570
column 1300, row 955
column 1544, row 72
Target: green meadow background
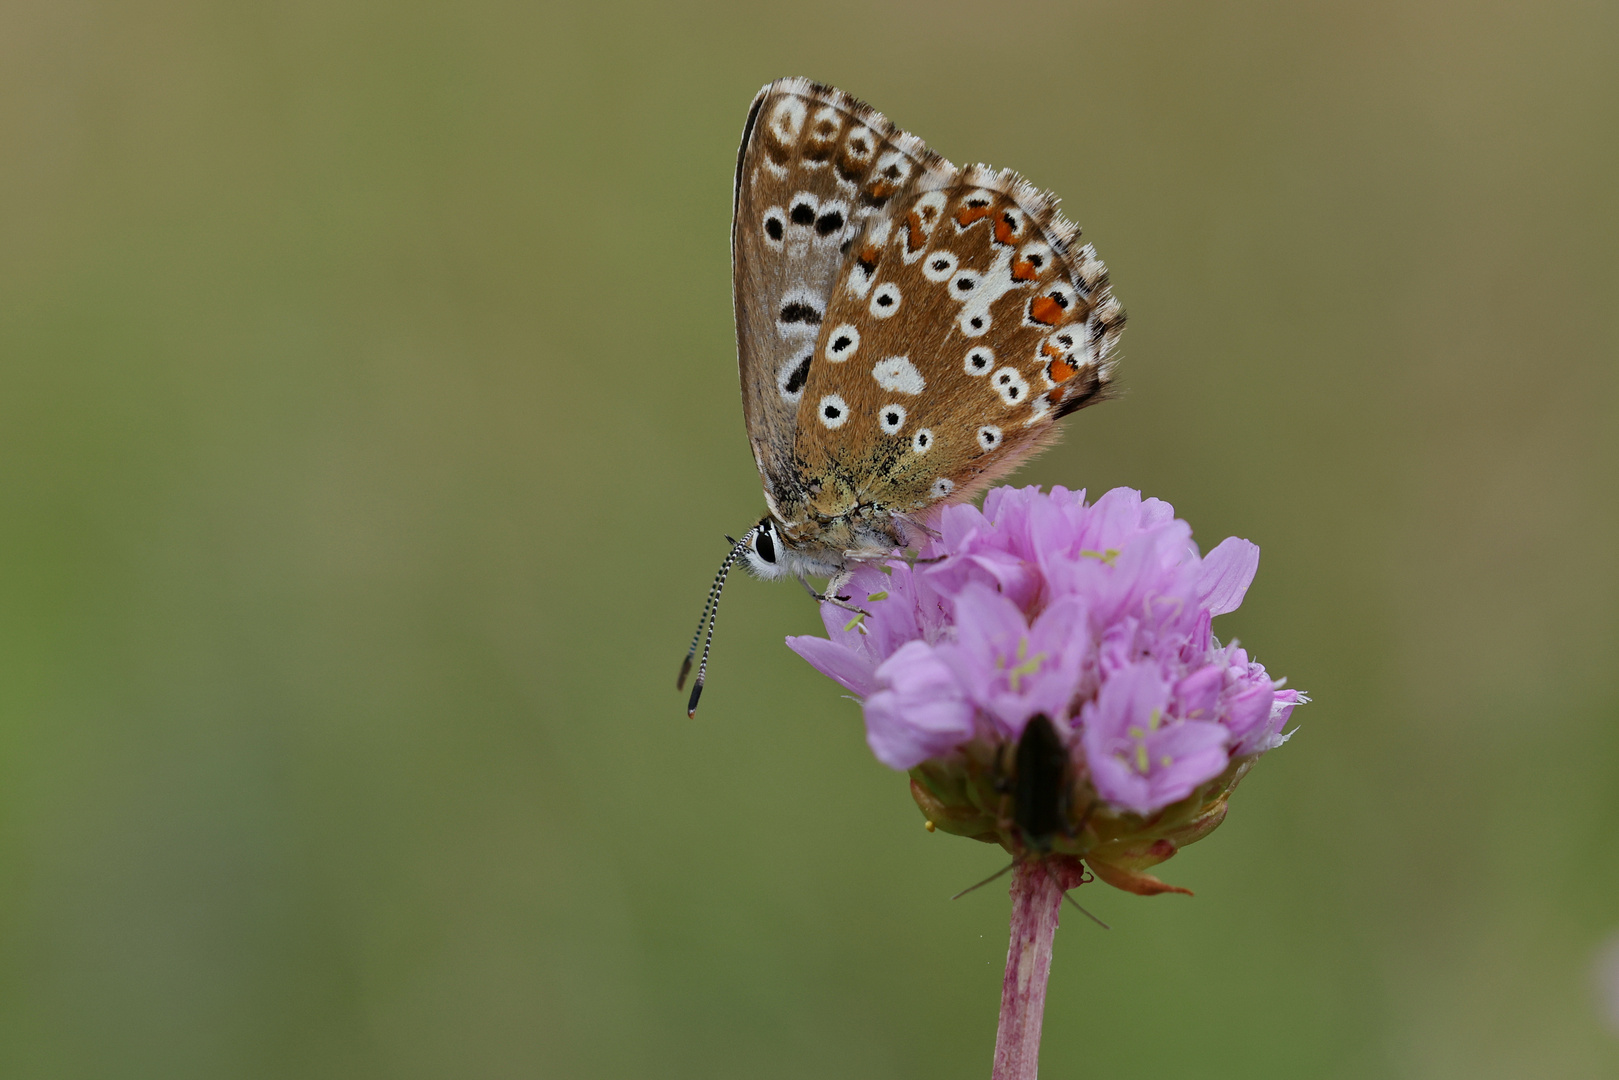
column 368, row 431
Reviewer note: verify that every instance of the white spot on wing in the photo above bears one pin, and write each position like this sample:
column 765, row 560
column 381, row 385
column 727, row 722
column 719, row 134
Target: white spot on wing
column 974, row 201
column 832, row 223
column 860, row 145
column 942, row 487
column 961, row 288
column 1040, row 407
column 1037, row 254
column 774, row 214
column 798, row 314
column 833, row 411
column 802, row 205
column 791, row 378
column 989, row 437
column 922, row 440
column 841, row 343
column 885, row 300
column 891, row 418
column 893, row 168
column 1011, row 385
column 898, row 374
column 927, row 211
column 938, row 266
column 858, row 277
column 980, row 359
column 787, row 121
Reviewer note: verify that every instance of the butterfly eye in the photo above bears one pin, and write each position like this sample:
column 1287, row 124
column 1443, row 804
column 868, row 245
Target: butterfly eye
column 891, row 418
column 979, row 361
column 765, row 544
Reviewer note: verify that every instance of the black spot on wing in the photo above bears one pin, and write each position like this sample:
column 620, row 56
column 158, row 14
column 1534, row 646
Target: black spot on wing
column 796, row 312
column 799, row 375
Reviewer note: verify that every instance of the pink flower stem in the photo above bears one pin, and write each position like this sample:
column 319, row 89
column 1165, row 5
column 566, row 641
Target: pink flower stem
column 1037, row 890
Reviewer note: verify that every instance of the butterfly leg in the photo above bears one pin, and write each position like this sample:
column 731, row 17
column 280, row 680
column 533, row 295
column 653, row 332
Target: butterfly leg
column 830, row 596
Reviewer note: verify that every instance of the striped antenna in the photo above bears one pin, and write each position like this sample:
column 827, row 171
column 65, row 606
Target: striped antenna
column 711, row 614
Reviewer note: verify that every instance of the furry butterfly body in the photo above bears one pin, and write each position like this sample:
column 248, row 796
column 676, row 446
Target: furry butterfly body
column 907, row 331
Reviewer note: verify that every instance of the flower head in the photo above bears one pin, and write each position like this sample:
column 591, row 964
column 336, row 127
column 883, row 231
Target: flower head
column 1095, row 615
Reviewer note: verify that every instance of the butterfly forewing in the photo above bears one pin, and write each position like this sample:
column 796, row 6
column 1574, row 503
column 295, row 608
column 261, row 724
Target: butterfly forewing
column 963, row 325
column 814, row 165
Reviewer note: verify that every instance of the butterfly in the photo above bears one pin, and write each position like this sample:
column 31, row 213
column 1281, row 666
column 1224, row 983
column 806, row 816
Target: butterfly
column 907, row 332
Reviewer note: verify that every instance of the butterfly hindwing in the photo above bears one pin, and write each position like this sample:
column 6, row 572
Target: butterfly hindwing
column 964, row 324
column 814, row 165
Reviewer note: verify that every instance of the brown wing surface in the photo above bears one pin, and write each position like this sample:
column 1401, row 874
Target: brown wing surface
column 814, row 165
column 964, row 325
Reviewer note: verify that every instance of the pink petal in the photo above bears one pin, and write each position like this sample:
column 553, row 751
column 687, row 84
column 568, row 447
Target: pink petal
column 850, row 669
column 1227, row 572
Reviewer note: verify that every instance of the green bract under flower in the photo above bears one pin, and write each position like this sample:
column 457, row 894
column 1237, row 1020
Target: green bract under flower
column 969, row 792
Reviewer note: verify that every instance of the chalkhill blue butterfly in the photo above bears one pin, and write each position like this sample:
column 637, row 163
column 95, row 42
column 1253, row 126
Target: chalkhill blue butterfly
column 907, row 332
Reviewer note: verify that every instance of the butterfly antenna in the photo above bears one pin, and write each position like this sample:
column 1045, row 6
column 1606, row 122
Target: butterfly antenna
column 1085, row 913
column 711, row 613
column 986, row 881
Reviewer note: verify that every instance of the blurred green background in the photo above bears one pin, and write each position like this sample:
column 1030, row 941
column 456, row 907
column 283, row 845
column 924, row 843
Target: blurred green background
column 368, row 428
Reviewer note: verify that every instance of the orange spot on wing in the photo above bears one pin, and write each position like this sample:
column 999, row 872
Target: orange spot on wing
column 1003, row 230
column 1045, row 310
column 1060, row 370
column 969, row 214
column 916, row 238
column 1023, row 270
column 869, row 255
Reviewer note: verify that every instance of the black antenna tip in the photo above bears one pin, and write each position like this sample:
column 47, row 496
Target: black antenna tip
column 691, row 706
column 685, row 669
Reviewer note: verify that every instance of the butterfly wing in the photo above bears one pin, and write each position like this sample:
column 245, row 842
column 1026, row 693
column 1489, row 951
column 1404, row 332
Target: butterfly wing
column 965, row 324
column 814, row 165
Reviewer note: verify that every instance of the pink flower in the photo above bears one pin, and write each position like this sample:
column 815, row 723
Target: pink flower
column 1095, row 615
